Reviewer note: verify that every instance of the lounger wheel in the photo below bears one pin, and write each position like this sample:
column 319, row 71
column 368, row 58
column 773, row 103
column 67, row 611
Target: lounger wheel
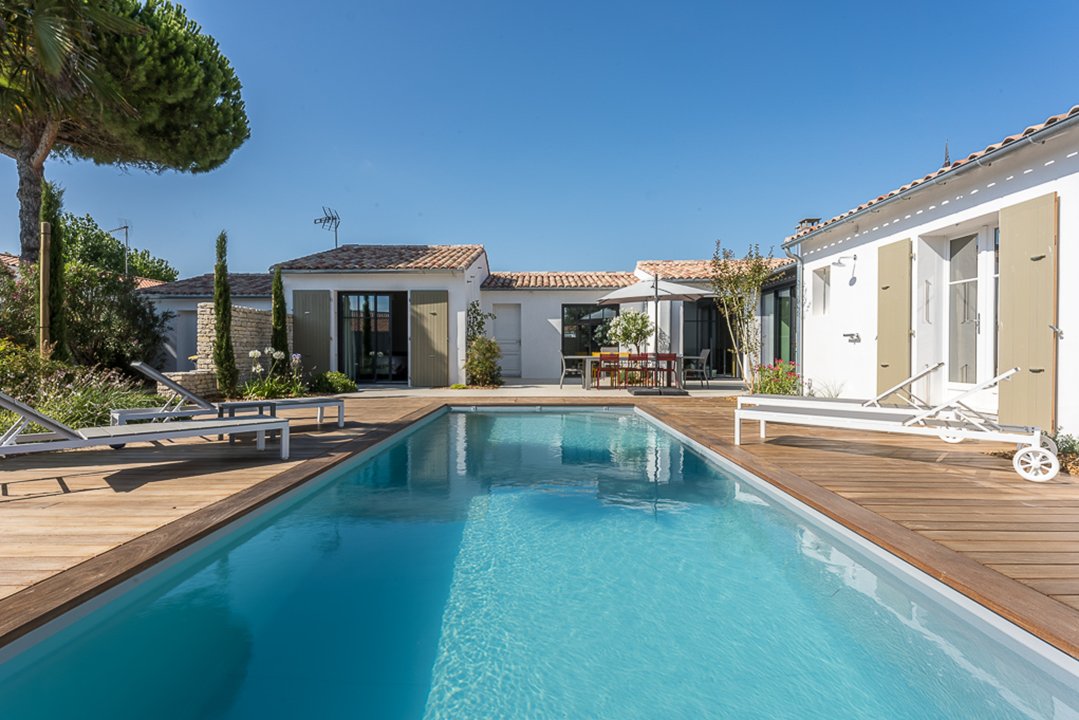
column 121, row 446
column 1047, row 442
column 951, row 439
column 1036, row 464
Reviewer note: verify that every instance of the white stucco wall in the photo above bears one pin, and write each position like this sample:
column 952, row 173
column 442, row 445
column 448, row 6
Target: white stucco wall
column 462, row 288
column 541, row 325
column 962, row 205
column 180, row 338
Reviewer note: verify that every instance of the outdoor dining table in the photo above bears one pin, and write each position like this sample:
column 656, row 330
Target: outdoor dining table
column 590, row 360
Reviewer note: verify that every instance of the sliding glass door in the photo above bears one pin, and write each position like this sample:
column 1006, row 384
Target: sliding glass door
column 369, row 324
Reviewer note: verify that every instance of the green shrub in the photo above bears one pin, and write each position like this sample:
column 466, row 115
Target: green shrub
column 332, row 381
column 1067, row 443
column 481, row 363
column 108, row 322
column 780, row 378
column 74, row 395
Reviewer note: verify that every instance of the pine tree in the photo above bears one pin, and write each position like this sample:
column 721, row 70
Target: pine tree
column 224, row 358
column 279, row 328
column 52, row 203
column 123, row 82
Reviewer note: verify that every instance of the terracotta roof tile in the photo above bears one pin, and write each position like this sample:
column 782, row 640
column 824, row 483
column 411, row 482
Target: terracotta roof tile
column 951, row 166
column 142, row 283
column 9, row 261
column 558, row 280
column 698, row 270
column 240, row 285
column 389, row 257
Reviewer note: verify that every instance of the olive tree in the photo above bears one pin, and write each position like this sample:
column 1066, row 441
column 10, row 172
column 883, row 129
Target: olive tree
column 631, row 328
column 736, row 285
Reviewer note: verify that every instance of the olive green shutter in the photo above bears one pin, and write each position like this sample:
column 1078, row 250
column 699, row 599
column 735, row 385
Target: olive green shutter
column 1028, row 312
column 430, row 347
column 311, row 328
column 893, row 314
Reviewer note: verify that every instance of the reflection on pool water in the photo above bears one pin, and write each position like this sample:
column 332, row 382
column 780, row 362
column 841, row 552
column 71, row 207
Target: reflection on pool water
column 534, row 565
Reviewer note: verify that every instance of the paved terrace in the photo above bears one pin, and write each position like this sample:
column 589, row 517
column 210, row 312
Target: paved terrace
column 73, row 523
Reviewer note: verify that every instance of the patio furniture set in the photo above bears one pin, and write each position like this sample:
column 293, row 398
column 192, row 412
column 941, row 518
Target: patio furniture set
column 626, row 370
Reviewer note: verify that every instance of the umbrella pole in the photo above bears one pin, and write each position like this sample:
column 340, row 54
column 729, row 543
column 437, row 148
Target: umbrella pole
column 655, row 346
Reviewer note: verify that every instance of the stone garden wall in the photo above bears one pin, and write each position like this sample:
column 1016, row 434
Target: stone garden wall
column 251, row 330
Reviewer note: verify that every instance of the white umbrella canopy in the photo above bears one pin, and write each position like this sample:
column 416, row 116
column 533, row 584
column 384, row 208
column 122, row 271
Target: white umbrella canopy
column 653, row 290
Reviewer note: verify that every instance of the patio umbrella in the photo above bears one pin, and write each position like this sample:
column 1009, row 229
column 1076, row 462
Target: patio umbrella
column 653, row 290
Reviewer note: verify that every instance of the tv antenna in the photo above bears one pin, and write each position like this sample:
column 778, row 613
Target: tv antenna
column 126, row 227
column 330, row 220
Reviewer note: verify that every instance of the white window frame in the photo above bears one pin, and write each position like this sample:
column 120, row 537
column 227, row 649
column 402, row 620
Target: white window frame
column 822, row 289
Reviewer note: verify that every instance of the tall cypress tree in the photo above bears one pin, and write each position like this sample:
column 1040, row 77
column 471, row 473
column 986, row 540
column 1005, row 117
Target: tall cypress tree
column 52, row 203
column 224, row 358
column 279, row 328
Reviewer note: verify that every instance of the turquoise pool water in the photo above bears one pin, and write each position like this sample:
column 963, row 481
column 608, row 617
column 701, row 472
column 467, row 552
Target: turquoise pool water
column 533, row 565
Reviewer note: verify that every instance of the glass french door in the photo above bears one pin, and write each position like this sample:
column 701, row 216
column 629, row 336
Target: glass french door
column 972, row 310
column 365, row 349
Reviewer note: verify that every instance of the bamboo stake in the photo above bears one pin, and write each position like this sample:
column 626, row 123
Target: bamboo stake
column 43, row 292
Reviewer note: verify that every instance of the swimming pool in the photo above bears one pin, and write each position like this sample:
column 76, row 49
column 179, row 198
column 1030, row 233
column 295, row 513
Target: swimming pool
column 535, row 565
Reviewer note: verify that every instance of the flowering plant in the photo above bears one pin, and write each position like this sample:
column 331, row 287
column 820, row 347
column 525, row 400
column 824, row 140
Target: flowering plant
column 273, row 376
column 779, row 378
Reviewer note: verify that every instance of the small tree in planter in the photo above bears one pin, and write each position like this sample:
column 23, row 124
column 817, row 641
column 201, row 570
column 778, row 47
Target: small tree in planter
column 631, row 328
column 736, row 284
column 224, row 358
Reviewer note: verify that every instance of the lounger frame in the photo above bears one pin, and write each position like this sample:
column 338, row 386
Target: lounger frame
column 15, row 441
column 174, row 407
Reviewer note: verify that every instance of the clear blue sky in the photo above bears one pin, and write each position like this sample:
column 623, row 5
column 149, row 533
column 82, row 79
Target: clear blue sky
column 577, row 135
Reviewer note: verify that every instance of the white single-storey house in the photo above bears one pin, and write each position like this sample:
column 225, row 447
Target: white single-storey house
column 964, row 267
column 398, row 313
column 181, row 298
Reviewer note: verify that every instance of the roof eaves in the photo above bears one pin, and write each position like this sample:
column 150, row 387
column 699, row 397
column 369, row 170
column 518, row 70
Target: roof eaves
column 977, row 159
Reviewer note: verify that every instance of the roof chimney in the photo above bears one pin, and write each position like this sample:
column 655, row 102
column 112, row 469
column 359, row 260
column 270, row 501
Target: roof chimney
column 807, row 223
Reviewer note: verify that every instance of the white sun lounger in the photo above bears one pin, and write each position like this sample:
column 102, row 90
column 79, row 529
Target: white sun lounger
column 1036, row 459
column 185, row 404
column 15, row 441
column 954, row 409
column 903, row 391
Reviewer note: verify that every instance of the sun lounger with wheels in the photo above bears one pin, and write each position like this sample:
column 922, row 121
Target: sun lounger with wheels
column 15, row 441
column 185, row 404
column 951, row 421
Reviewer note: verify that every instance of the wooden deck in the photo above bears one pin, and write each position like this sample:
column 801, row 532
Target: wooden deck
column 74, row 523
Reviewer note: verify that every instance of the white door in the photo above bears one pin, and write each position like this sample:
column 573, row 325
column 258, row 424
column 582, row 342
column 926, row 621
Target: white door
column 972, row 314
column 508, row 336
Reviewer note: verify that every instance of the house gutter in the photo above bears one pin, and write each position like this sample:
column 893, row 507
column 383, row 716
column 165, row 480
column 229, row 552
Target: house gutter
column 1041, row 136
